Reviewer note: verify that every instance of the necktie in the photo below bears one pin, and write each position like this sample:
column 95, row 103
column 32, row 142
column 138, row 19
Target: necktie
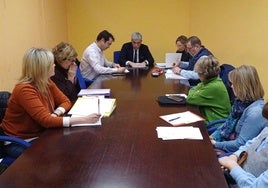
column 135, row 56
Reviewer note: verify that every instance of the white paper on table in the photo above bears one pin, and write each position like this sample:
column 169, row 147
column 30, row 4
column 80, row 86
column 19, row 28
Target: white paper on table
column 170, row 133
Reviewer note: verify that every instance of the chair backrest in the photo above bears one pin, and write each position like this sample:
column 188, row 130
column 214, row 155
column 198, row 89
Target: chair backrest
column 80, row 79
column 225, row 69
column 116, row 56
column 4, row 96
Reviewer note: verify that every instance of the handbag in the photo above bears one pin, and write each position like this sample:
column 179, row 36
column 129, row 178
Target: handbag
column 241, row 159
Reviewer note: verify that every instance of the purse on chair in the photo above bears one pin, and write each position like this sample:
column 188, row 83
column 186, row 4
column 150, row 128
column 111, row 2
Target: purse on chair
column 241, row 159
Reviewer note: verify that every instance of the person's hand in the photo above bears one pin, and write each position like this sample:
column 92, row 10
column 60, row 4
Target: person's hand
column 121, row 69
column 213, row 142
column 176, row 64
column 72, row 72
column 115, row 65
column 92, row 118
column 176, row 70
column 228, row 162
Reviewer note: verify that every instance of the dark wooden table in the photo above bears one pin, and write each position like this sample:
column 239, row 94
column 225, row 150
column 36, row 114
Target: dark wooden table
column 124, row 152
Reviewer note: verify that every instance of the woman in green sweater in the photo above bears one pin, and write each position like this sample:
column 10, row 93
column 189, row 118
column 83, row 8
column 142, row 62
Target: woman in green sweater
column 210, row 94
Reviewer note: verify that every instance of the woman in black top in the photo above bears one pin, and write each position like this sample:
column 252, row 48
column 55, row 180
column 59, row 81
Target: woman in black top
column 181, row 45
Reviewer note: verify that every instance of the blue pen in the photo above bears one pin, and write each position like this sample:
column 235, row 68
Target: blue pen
column 174, row 119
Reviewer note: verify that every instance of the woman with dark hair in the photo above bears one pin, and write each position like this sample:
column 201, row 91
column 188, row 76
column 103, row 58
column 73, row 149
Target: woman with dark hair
column 181, row 48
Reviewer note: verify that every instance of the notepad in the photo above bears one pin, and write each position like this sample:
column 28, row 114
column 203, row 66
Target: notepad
column 88, row 105
column 182, row 118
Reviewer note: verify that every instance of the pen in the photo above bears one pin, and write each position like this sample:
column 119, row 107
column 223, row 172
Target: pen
column 174, row 119
column 98, row 105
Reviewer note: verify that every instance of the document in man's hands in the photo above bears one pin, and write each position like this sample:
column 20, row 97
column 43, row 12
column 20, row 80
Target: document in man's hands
column 171, row 133
column 182, row 118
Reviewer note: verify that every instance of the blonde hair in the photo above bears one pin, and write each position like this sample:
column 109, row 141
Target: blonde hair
column 36, row 67
column 207, row 67
column 246, row 82
column 63, row 51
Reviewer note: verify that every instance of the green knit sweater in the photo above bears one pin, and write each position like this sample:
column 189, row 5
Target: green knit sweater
column 212, row 98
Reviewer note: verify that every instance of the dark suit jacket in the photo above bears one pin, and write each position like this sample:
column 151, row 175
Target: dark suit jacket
column 126, row 54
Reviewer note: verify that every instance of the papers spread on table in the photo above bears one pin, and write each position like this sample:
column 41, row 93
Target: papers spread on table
column 89, row 92
column 93, row 104
column 182, row 118
column 170, row 133
column 171, row 75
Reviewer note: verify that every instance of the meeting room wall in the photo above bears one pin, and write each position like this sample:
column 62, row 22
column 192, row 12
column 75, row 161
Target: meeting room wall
column 24, row 24
column 235, row 31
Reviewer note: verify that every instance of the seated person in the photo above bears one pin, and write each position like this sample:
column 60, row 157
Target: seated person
column 36, row 103
column 210, row 94
column 196, row 50
column 254, row 171
column 135, row 53
column 181, row 48
column 93, row 61
column 65, row 70
column 245, row 120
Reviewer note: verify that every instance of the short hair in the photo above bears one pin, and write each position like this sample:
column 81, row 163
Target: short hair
column 63, row 51
column 207, row 67
column 36, row 66
column 183, row 39
column 194, row 40
column 105, row 35
column 136, row 36
column 246, row 83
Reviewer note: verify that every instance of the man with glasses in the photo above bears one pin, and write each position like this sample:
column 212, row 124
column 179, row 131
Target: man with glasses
column 197, row 51
column 93, row 60
column 135, row 54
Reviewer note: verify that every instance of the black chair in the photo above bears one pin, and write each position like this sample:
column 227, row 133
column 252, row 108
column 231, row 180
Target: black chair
column 6, row 160
column 225, row 69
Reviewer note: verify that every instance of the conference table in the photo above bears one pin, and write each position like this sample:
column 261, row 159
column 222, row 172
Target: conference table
column 124, row 152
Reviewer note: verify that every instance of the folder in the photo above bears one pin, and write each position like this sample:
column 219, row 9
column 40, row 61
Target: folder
column 94, row 92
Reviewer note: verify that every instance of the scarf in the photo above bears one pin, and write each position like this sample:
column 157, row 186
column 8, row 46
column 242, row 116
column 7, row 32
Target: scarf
column 227, row 130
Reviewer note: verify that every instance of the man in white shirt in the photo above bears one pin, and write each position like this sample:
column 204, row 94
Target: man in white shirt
column 93, row 60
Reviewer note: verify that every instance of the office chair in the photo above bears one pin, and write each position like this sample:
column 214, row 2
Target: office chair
column 116, row 56
column 6, row 160
column 225, row 69
column 83, row 82
column 212, row 126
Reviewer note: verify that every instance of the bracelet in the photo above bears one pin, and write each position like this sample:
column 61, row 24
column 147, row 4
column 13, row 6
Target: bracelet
column 55, row 114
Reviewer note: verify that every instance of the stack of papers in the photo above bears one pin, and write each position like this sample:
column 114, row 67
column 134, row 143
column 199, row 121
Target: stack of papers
column 171, row 75
column 171, row 133
column 90, row 92
column 181, row 118
column 87, row 105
